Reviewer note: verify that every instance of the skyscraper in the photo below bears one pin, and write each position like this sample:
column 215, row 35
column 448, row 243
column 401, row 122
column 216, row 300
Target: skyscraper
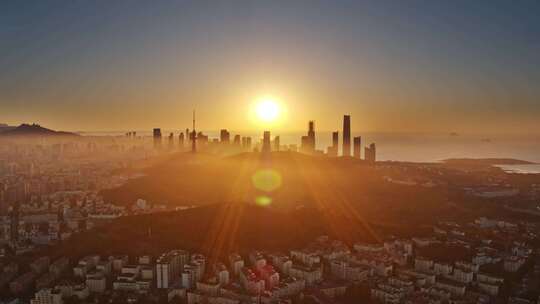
column 346, row 135
column 333, row 149
column 311, row 132
column 335, row 139
column 193, row 136
column 370, row 153
column 171, row 141
column 181, row 140
column 308, row 142
column 224, row 136
column 266, row 148
column 237, row 140
column 357, row 146
column 202, row 140
column 157, row 138
column 276, row 143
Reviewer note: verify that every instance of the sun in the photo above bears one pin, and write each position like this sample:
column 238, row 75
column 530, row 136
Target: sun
column 267, row 110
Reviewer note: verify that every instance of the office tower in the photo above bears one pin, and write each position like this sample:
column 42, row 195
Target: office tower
column 202, row 139
column 181, row 140
column 276, row 143
column 237, row 140
column 367, row 153
column 335, row 139
column 311, row 133
column 171, row 141
column 193, row 136
column 308, row 142
column 157, row 138
column 333, row 149
column 357, row 146
column 346, row 135
column 248, row 142
column 224, row 136
column 188, row 135
column 370, row 153
column 266, row 148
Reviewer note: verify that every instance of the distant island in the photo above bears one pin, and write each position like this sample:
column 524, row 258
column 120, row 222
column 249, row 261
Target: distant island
column 31, row 130
column 486, row 161
column 5, row 127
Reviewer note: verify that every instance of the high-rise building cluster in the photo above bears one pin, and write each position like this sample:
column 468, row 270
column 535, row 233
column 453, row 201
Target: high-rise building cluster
column 200, row 141
column 308, row 143
column 237, row 143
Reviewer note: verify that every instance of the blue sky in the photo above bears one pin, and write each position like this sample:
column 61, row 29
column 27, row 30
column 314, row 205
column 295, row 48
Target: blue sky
column 397, row 65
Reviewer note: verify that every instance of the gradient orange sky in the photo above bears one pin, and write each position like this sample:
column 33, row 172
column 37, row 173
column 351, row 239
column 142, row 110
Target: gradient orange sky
column 424, row 66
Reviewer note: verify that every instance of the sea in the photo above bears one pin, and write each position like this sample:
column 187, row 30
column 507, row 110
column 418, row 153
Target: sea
column 521, row 169
column 414, row 147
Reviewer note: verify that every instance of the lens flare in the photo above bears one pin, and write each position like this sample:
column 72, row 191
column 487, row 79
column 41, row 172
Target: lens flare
column 266, row 180
column 263, row 201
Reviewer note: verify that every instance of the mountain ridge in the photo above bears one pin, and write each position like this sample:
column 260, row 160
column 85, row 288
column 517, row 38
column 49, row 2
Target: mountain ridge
column 33, row 130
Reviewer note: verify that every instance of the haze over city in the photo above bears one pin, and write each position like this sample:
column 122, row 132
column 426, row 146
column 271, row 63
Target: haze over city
column 269, row 152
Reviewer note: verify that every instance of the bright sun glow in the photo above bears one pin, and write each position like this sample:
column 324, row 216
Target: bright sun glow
column 267, row 110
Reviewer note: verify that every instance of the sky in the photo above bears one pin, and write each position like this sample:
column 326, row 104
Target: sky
column 394, row 66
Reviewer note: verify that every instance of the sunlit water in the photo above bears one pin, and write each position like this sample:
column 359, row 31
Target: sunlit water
column 414, row 147
column 522, row 169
